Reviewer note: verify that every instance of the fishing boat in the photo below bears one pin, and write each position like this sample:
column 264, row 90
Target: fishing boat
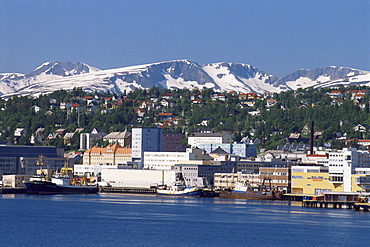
column 60, row 183
column 179, row 189
column 243, row 190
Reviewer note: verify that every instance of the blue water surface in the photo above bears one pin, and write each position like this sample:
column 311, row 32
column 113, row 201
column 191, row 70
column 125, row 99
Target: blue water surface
column 136, row 220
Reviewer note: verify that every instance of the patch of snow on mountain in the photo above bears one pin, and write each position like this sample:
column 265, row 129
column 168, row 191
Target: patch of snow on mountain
column 222, row 77
column 302, row 82
column 179, row 83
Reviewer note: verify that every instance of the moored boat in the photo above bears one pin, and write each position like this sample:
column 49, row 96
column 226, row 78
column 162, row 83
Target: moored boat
column 179, row 189
column 60, row 183
column 242, row 190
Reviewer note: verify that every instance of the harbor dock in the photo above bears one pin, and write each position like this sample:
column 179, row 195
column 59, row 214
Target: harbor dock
column 11, row 190
column 357, row 206
column 328, row 204
column 126, row 190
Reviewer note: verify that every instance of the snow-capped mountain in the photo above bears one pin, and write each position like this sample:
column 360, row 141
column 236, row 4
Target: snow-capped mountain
column 52, row 76
column 324, row 77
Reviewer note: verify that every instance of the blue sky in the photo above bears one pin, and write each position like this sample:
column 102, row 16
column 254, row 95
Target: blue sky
column 275, row 36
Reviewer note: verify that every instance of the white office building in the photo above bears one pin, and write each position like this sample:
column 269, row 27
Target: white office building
column 195, row 139
column 168, row 160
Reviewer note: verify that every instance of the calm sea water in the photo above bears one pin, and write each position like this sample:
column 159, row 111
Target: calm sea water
column 135, row 220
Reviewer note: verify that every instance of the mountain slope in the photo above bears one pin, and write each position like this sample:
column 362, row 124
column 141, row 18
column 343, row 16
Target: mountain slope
column 52, row 76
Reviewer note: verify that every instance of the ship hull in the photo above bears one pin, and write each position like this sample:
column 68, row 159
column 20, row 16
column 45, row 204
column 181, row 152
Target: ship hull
column 45, row 187
column 186, row 192
column 250, row 195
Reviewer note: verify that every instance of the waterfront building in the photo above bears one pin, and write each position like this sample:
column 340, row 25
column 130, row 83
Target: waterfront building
column 254, row 165
column 15, row 180
column 145, row 139
column 279, row 177
column 23, row 159
column 312, row 180
column 195, row 139
column 228, row 180
column 136, row 178
column 361, row 180
column 201, row 172
column 343, row 163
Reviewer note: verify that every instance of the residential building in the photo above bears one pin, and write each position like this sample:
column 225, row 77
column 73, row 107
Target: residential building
column 87, row 139
column 121, row 138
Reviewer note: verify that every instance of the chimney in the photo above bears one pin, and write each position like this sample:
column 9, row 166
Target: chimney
column 311, row 137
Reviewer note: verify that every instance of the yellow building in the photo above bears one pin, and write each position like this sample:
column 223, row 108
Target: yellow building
column 111, row 155
column 361, row 180
column 313, row 180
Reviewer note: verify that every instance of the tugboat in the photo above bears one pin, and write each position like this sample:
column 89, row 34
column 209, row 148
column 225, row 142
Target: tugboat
column 242, row 190
column 179, row 188
column 60, row 183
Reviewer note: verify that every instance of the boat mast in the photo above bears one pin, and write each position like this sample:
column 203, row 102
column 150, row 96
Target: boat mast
column 40, row 163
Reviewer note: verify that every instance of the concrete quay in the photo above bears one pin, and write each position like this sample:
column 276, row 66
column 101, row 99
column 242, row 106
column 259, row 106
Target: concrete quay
column 10, row 190
column 126, row 190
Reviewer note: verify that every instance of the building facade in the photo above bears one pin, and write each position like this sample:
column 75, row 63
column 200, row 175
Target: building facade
column 195, row 139
column 243, row 150
column 112, row 155
column 172, row 142
column 23, row 159
column 167, row 160
column 121, row 138
column 145, row 139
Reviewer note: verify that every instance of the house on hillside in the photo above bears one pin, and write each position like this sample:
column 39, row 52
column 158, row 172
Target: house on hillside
column 36, row 109
column 361, row 128
column 271, row 102
column 167, row 103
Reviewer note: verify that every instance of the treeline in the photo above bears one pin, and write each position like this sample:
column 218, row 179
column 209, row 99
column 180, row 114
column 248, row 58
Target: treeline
column 292, row 112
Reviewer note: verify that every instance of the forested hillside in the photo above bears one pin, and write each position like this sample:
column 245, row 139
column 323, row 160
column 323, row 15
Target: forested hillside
column 271, row 118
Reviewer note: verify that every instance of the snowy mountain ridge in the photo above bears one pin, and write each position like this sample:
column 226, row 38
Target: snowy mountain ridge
column 176, row 74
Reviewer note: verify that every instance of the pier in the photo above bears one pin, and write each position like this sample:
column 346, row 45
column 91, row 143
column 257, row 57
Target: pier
column 126, row 190
column 328, row 204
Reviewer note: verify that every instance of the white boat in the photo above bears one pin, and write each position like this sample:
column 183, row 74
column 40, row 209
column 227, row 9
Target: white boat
column 179, row 189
